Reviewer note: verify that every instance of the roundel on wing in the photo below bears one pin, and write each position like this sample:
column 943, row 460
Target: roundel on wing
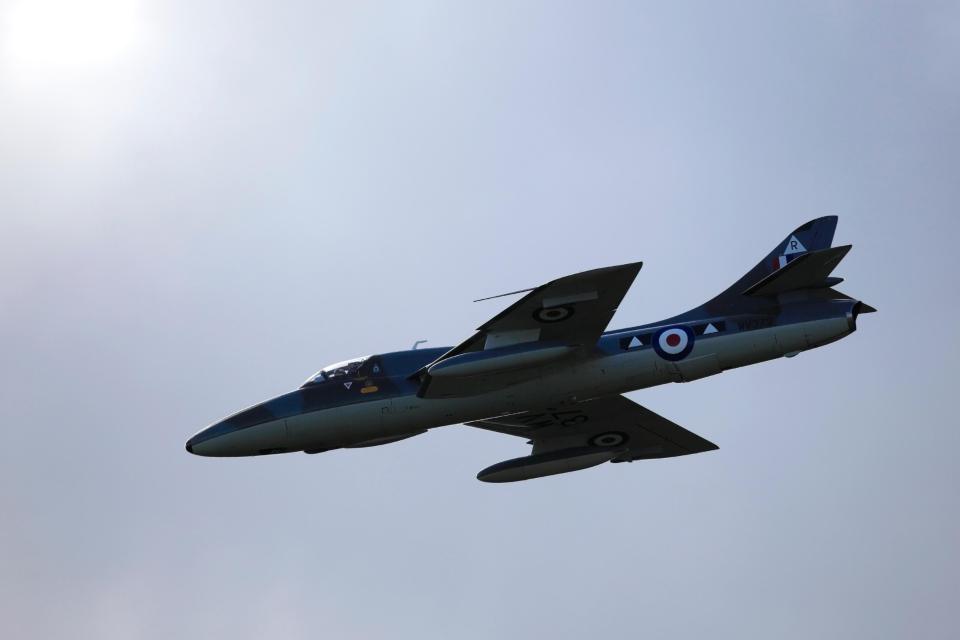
column 609, row 439
column 673, row 343
column 553, row 314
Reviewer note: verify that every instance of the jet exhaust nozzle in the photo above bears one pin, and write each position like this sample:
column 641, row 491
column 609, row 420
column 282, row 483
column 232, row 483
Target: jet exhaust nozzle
column 857, row 308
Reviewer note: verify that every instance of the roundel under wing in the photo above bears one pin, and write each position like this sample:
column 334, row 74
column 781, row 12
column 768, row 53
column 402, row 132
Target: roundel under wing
column 673, row 343
column 609, row 439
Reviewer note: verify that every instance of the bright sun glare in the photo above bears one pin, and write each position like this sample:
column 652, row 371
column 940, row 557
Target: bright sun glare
column 58, row 34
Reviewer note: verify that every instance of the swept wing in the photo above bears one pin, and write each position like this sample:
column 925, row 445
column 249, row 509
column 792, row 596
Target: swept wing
column 561, row 316
column 613, row 428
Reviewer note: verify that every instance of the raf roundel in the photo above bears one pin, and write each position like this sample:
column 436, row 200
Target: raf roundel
column 673, row 343
column 609, row 439
column 553, row 314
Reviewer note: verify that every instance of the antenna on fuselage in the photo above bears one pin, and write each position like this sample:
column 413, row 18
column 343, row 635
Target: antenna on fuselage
column 418, row 343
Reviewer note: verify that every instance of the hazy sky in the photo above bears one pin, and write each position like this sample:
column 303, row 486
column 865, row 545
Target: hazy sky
column 203, row 202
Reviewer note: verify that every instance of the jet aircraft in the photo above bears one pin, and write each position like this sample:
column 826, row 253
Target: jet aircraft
column 545, row 369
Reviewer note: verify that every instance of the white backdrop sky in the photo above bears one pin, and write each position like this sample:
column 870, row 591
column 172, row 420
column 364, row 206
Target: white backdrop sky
column 203, row 210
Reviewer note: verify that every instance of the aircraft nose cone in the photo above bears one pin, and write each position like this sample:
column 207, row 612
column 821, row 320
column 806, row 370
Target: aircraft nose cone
column 202, row 444
column 254, row 431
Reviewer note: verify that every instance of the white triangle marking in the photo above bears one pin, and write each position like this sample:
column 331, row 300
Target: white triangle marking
column 712, row 329
column 634, row 343
column 347, row 384
column 794, row 246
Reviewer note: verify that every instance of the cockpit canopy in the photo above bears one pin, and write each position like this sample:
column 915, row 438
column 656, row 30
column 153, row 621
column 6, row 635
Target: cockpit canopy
column 345, row 369
column 397, row 363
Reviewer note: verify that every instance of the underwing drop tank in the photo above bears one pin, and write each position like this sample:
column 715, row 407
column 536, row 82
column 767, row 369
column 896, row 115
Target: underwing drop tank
column 547, row 464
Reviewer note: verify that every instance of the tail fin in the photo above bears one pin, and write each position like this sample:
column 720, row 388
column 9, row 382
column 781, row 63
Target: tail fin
column 802, row 260
column 812, row 236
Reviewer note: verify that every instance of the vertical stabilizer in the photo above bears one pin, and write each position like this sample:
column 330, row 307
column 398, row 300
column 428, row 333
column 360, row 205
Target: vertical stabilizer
column 812, row 236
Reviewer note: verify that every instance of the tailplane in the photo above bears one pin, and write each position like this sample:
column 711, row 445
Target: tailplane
column 809, row 270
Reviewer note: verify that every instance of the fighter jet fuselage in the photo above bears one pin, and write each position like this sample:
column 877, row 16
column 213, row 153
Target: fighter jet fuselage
column 543, row 370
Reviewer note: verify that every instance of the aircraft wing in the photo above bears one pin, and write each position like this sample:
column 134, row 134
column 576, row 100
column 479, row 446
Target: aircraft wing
column 568, row 312
column 623, row 428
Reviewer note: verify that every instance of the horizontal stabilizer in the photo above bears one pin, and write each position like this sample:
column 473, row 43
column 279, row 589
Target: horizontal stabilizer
column 807, row 271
